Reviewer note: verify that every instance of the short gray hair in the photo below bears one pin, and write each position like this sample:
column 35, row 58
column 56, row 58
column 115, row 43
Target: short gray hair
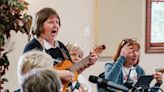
column 31, row 60
column 41, row 80
column 71, row 46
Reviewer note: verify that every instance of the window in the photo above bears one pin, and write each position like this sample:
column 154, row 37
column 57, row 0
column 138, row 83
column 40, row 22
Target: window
column 154, row 26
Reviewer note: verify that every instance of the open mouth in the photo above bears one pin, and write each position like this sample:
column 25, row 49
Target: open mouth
column 53, row 31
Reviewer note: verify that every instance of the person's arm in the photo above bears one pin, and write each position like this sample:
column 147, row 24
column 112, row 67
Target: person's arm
column 158, row 76
column 112, row 72
column 92, row 60
column 65, row 75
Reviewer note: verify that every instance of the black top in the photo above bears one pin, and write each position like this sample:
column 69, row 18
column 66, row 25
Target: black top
column 56, row 53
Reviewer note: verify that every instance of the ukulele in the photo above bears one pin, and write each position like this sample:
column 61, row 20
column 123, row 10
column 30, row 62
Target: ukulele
column 74, row 67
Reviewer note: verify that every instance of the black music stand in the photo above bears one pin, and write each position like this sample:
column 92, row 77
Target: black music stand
column 143, row 83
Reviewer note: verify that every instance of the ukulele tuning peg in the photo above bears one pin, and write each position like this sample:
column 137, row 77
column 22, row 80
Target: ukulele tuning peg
column 103, row 47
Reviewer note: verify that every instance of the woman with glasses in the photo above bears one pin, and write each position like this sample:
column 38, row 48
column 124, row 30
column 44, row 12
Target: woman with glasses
column 125, row 67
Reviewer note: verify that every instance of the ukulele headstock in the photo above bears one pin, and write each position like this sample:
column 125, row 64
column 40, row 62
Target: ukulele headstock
column 99, row 48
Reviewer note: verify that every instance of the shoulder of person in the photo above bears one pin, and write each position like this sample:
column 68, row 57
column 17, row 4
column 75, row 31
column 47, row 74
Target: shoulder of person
column 102, row 75
column 109, row 64
column 33, row 44
column 140, row 69
column 63, row 47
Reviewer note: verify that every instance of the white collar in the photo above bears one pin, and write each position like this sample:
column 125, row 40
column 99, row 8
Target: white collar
column 46, row 45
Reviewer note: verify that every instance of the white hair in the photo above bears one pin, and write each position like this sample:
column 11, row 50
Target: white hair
column 31, row 60
column 71, row 46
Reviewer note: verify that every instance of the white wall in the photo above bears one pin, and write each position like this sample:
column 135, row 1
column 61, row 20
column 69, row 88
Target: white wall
column 126, row 19
column 118, row 19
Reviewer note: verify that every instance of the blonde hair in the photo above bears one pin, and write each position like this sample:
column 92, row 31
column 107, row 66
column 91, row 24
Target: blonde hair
column 74, row 47
column 31, row 60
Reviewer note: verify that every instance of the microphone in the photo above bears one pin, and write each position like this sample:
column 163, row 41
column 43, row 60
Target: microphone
column 106, row 83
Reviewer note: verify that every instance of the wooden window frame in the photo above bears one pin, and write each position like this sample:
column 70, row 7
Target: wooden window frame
column 151, row 47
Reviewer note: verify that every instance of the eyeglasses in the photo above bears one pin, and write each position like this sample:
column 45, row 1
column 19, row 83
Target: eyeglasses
column 131, row 41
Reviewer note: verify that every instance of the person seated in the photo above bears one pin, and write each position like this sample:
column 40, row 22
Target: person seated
column 39, row 59
column 77, row 54
column 41, row 80
column 126, row 65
